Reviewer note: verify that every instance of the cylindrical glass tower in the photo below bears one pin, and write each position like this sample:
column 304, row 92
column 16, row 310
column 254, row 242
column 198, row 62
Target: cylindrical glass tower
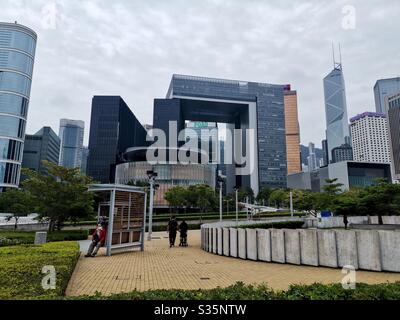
column 17, row 53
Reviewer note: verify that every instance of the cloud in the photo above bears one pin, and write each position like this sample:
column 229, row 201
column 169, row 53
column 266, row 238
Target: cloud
column 132, row 48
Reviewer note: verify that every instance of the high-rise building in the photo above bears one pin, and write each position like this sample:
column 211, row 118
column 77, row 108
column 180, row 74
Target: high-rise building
column 292, row 131
column 342, row 153
column 71, row 136
column 337, row 127
column 17, row 54
column 206, row 133
column 85, row 155
column 325, row 152
column 312, row 158
column 43, row 145
column 393, row 106
column 259, row 107
column 382, row 89
column 370, row 138
column 113, row 129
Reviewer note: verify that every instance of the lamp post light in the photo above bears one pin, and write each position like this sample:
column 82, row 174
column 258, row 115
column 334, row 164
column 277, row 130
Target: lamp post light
column 220, row 179
column 152, row 177
column 237, row 204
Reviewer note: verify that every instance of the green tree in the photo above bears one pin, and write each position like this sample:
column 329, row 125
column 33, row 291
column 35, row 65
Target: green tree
column 244, row 193
column 382, row 199
column 18, row 203
column 202, row 197
column 279, row 197
column 176, row 197
column 61, row 195
column 263, row 195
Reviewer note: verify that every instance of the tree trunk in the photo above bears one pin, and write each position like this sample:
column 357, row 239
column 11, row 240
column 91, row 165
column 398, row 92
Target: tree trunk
column 380, row 219
column 16, row 223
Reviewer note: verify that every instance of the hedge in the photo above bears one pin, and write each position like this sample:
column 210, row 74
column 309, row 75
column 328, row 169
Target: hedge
column 275, row 225
column 240, row 291
column 8, row 238
column 21, row 269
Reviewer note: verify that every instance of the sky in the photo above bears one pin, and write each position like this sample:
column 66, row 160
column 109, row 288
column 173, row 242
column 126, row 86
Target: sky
column 132, row 48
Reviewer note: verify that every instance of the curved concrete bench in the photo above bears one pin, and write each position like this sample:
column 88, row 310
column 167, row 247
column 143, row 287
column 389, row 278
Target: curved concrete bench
column 363, row 249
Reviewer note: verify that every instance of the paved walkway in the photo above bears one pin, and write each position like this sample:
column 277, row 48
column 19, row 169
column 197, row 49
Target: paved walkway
column 160, row 267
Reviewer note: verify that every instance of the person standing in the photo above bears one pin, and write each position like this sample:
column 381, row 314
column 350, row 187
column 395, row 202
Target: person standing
column 172, row 229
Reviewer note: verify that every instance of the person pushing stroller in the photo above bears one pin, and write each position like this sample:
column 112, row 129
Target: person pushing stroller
column 183, row 229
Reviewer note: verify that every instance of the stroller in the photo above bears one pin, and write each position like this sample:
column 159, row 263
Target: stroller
column 183, row 229
column 183, row 242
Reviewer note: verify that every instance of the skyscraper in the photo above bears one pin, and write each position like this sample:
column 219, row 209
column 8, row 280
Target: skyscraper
column 292, row 131
column 113, row 129
column 384, row 88
column 312, row 158
column 17, row 54
column 256, row 107
column 393, row 106
column 43, row 145
column 337, row 127
column 370, row 138
column 85, row 155
column 71, row 136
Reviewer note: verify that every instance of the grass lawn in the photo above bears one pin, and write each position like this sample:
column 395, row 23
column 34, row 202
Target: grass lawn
column 8, row 238
column 21, row 269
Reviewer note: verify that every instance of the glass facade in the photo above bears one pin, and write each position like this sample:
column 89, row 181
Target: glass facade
column 337, row 126
column 269, row 99
column 113, row 129
column 71, row 136
column 17, row 52
column 382, row 90
column 43, row 145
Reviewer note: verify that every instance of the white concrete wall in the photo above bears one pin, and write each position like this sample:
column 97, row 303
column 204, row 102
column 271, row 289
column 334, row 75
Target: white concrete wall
column 242, row 243
column 292, row 246
column 210, row 240
column 362, row 249
column 369, row 252
column 390, row 250
column 277, row 245
column 233, row 247
column 214, row 239
column 309, row 247
column 346, row 244
column 225, row 239
column 264, row 244
column 251, row 244
column 327, row 254
column 219, row 241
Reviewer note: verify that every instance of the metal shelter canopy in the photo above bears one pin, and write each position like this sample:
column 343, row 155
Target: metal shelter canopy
column 125, row 207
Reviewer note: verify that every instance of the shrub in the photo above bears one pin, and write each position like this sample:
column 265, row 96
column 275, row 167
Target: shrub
column 240, row 291
column 21, row 269
column 8, row 238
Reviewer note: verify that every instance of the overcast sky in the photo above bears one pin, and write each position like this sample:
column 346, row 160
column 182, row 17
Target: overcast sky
column 132, row 48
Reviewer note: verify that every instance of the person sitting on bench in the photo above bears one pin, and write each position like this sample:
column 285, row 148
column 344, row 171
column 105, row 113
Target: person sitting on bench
column 98, row 238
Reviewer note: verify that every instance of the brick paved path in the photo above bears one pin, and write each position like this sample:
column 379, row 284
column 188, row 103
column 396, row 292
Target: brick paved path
column 160, row 267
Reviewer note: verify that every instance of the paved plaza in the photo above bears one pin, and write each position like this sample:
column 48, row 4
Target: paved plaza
column 160, row 267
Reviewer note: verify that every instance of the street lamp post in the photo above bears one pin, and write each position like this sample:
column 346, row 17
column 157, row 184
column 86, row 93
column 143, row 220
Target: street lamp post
column 291, row 203
column 237, row 204
column 152, row 176
column 220, row 179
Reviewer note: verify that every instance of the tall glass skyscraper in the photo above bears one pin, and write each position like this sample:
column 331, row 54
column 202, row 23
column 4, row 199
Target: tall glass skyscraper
column 17, row 54
column 337, row 126
column 71, row 136
column 383, row 89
